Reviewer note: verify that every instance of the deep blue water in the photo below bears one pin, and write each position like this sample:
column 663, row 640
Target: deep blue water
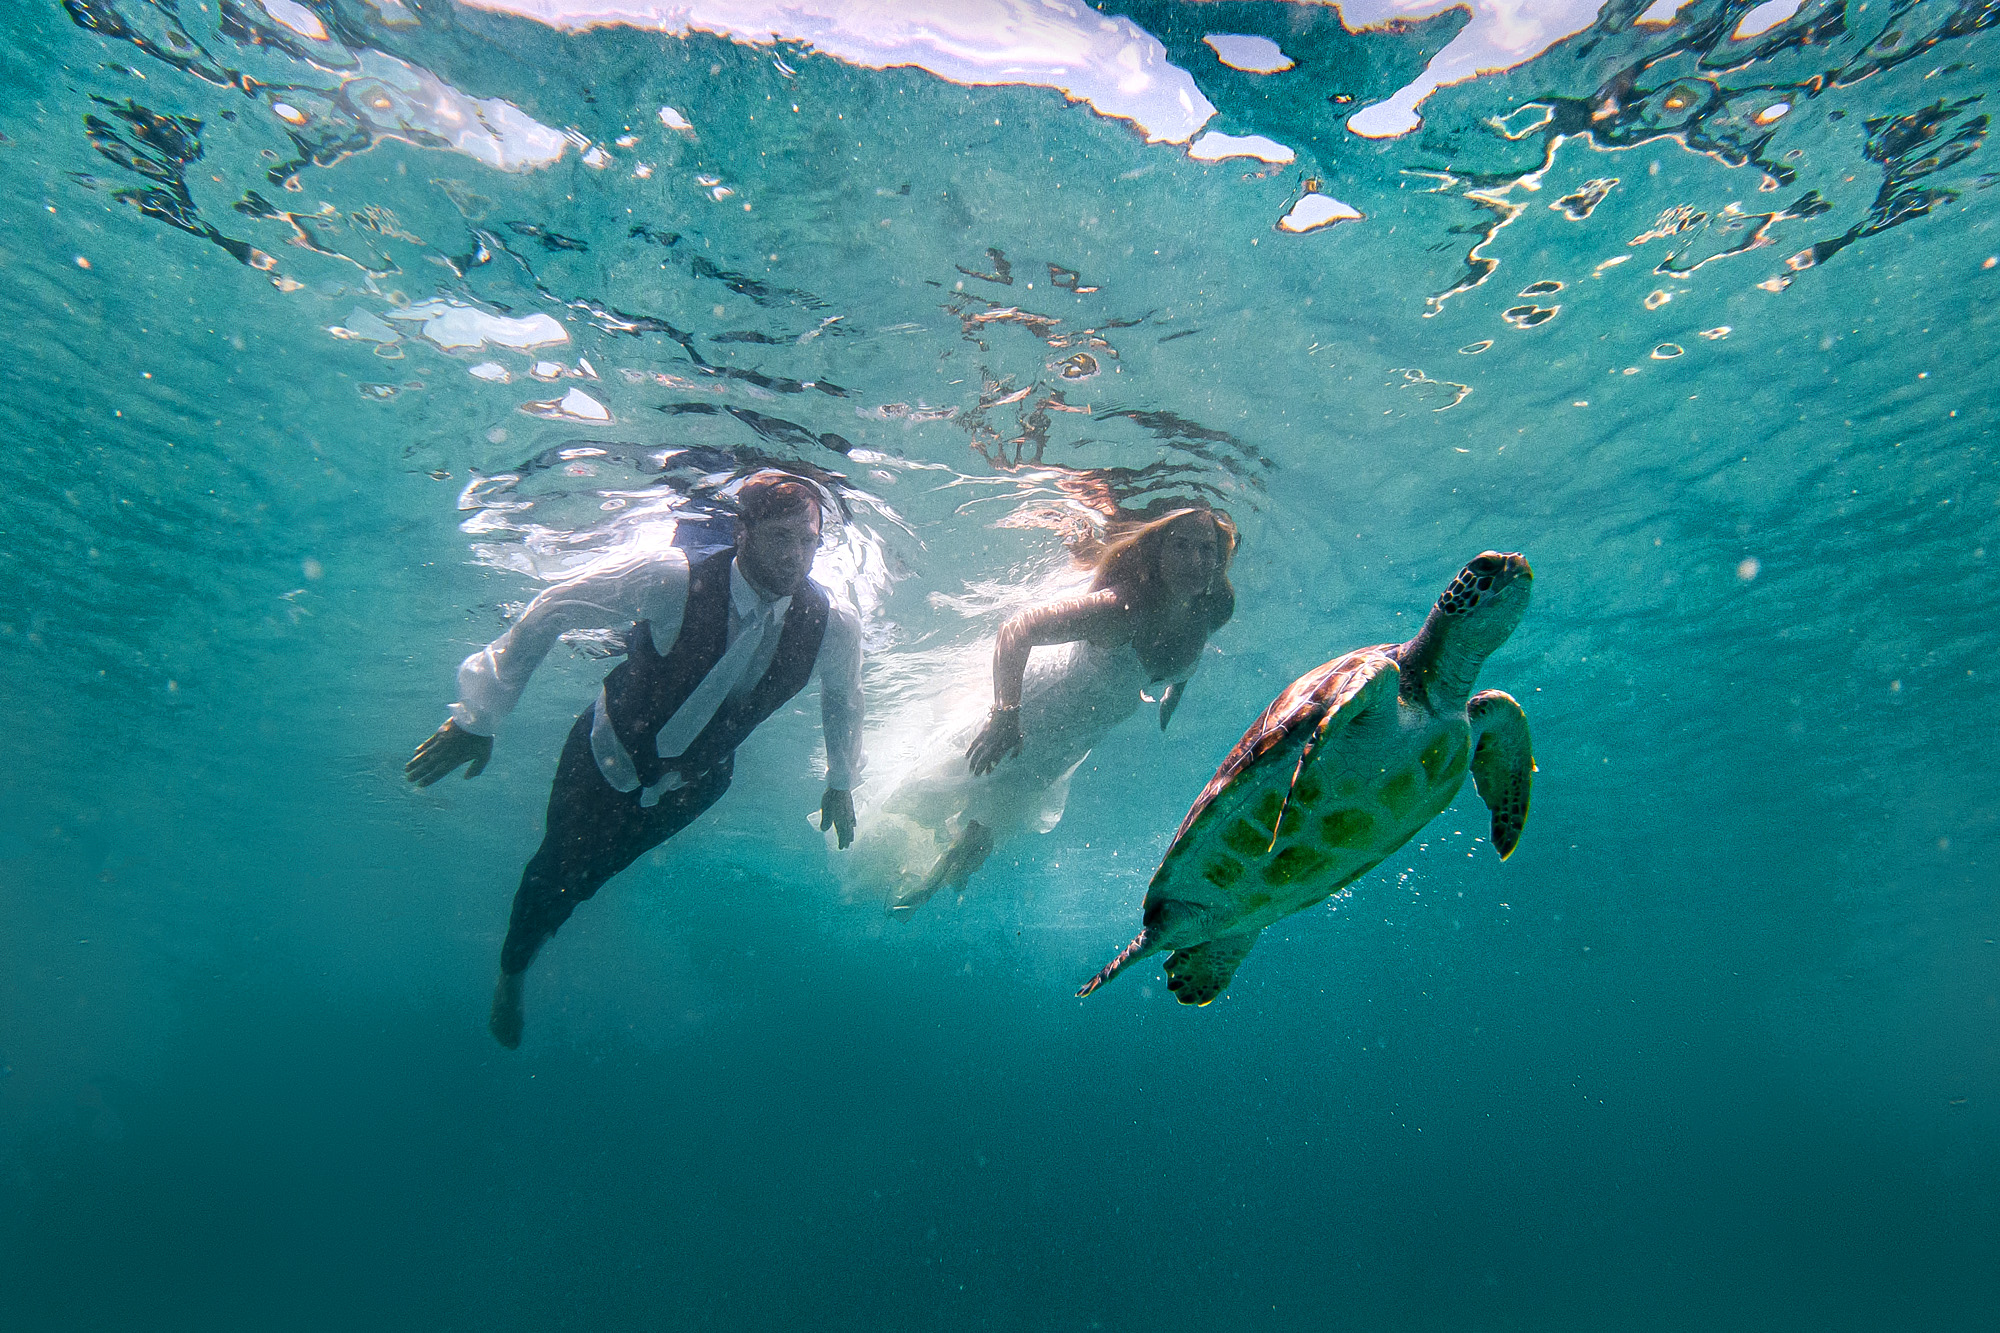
column 1718, row 1048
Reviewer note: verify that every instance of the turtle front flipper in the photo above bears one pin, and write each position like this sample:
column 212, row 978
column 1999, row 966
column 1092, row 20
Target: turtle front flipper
column 1503, row 763
column 1199, row 973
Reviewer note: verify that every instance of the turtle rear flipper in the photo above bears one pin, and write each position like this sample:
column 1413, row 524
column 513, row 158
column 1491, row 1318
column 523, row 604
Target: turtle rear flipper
column 1503, row 763
column 1196, row 975
column 1142, row 944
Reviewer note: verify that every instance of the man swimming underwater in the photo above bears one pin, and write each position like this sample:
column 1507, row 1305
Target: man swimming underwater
column 720, row 642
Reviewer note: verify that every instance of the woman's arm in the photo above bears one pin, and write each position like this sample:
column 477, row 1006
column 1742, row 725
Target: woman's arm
column 1098, row 615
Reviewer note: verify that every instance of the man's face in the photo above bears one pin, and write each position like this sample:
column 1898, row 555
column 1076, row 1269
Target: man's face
column 777, row 553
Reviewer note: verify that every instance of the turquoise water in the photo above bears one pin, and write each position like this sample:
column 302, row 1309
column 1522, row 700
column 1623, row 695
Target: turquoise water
column 1717, row 1048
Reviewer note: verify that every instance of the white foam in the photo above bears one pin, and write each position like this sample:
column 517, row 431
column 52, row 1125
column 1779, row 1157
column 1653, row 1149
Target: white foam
column 1764, row 18
column 1317, row 210
column 1214, row 147
column 1113, row 64
column 1252, row 55
column 1501, row 35
column 452, row 325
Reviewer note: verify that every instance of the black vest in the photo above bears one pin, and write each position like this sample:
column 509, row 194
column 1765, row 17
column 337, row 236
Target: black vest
column 646, row 689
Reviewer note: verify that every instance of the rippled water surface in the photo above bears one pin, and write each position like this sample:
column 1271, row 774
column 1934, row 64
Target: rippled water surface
column 339, row 326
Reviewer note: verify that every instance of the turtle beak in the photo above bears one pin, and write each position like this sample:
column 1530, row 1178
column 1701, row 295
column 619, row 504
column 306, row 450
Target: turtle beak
column 1504, row 566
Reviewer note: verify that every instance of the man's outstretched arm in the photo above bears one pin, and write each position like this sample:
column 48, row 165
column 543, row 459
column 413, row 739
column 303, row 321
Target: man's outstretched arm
column 445, row 749
column 490, row 681
column 841, row 717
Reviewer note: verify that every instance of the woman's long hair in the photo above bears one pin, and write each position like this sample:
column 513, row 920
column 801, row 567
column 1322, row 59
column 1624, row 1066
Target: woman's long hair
column 1127, row 557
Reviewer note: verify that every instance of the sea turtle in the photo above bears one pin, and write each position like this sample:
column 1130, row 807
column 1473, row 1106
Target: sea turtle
column 1337, row 773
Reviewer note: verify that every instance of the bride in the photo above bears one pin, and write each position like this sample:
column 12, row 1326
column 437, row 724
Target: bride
column 1158, row 590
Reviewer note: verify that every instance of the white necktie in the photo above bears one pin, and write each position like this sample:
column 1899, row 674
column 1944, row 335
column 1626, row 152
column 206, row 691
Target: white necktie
column 699, row 708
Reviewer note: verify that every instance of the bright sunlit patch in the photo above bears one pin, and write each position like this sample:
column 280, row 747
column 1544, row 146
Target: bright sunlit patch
column 1315, row 211
column 576, row 405
column 1252, row 55
column 296, row 17
column 1771, row 114
column 1115, row 65
column 451, row 325
column 1501, row 35
column 1764, row 18
column 1661, row 12
column 1214, row 147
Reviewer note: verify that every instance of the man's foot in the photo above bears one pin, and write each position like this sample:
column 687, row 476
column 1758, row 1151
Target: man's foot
column 505, row 1022
column 968, row 852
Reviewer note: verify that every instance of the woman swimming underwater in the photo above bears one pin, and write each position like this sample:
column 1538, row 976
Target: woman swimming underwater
column 1159, row 589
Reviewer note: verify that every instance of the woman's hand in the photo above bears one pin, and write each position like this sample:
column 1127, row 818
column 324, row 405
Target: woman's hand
column 1000, row 737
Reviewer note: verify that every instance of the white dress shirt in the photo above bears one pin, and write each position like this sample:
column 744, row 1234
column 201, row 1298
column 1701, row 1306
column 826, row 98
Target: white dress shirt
column 653, row 586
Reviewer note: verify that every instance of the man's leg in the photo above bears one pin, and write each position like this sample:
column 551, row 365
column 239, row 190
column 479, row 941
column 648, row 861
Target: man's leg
column 593, row 832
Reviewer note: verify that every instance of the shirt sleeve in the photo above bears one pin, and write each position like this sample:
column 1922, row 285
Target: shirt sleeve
column 841, row 714
column 650, row 587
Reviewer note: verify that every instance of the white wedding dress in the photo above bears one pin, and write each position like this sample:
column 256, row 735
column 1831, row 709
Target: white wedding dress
column 1071, row 697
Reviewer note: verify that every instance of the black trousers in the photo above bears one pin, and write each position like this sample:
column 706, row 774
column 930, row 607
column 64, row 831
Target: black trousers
column 593, row 832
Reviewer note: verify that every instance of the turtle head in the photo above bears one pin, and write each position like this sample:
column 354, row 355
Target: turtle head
column 1478, row 611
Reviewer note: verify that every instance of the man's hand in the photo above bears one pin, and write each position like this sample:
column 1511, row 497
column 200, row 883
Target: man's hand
column 445, row 749
column 836, row 812
column 1000, row 737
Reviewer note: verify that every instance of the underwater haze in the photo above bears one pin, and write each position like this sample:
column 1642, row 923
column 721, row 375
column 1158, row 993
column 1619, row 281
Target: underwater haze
column 343, row 326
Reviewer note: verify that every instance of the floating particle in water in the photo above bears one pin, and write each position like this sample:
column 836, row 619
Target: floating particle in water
column 1474, row 349
column 1546, row 287
column 1580, row 203
column 1527, row 316
column 1748, row 569
column 1668, row 351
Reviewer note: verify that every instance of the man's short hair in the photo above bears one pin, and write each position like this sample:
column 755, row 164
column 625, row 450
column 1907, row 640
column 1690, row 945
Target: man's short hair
column 776, row 495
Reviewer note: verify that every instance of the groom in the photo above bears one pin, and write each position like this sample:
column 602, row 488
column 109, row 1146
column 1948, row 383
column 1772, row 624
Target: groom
column 719, row 643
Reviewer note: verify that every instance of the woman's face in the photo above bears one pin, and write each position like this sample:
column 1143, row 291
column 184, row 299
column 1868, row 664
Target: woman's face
column 1190, row 553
